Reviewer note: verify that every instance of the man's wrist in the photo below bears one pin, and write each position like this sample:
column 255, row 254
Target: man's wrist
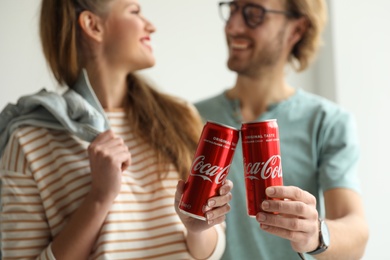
column 324, row 238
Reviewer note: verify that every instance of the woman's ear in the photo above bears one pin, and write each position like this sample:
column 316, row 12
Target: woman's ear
column 91, row 25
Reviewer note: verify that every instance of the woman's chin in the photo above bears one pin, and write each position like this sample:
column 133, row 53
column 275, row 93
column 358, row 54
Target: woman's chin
column 148, row 64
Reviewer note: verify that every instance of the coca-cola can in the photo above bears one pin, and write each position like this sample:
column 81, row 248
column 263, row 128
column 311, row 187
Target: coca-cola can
column 262, row 161
column 210, row 167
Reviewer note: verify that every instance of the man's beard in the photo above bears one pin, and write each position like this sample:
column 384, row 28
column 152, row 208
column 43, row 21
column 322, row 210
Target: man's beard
column 261, row 61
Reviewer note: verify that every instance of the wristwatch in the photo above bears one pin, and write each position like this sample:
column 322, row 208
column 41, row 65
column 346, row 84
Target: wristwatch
column 324, row 238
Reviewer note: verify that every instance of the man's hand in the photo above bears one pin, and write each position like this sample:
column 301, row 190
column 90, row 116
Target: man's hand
column 292, row 215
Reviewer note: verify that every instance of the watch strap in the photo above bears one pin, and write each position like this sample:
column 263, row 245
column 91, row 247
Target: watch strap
column 321, row 247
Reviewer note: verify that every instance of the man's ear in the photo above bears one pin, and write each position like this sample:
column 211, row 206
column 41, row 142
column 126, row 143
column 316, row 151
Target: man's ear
column 91, row 25
column 301, row 25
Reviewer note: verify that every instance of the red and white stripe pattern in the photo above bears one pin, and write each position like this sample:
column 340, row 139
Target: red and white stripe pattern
column 45, row 176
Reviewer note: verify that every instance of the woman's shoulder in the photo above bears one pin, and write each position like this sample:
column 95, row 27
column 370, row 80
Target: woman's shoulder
column 34, row 142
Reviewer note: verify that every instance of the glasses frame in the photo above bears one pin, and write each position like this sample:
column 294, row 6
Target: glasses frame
column 244, row 12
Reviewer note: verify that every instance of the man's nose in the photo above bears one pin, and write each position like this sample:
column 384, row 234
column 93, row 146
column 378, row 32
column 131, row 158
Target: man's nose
column 236, row 23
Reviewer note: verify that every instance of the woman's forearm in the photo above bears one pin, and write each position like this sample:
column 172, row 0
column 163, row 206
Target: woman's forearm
column 77, row 238
column 201, row 245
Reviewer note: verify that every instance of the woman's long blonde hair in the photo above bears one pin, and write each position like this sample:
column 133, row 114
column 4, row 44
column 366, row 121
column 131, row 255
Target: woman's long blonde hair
column 169, row 125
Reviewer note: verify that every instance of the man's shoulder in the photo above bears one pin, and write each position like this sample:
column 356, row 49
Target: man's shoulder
column 210, row 102
column 318, row 104
column 215, row 108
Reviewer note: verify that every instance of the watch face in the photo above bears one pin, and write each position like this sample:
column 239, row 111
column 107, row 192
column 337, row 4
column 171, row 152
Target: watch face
column 325, row 233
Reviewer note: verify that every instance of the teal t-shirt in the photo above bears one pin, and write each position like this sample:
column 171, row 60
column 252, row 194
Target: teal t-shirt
column 319, row 150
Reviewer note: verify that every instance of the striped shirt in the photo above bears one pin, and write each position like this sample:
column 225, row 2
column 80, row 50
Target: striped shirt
column 45, row 177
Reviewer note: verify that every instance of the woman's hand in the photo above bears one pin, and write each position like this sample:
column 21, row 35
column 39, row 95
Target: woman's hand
column 215, row 211
column 108, row 158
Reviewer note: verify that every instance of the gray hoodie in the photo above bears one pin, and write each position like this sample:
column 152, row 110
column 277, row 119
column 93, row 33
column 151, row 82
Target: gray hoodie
column 77, row 111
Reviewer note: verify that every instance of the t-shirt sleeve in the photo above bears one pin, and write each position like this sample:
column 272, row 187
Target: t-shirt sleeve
column 24, row 230
column 339, row 153
column 221, row 243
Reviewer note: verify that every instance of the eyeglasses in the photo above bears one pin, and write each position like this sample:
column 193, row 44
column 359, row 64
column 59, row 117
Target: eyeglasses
column 253, row 14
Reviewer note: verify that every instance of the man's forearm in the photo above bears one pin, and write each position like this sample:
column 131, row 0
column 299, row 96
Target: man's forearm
column 348, row 238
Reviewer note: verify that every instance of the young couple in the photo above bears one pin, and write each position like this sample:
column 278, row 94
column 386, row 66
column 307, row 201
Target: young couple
column 98, row 172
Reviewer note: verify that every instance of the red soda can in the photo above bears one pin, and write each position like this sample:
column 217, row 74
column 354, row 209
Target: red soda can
column 210, row 167
column 262, row 161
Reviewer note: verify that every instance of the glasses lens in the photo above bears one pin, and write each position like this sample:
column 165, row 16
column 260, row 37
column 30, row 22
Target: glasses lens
column 226, row 9
column 253, row 15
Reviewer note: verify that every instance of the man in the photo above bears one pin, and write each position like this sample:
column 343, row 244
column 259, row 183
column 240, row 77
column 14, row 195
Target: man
column 321, row 212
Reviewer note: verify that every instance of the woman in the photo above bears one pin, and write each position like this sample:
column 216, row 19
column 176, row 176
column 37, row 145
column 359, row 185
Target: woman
column 116, row 197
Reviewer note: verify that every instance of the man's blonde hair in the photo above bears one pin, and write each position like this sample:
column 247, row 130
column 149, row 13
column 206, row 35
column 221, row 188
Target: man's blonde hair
column 305, row 50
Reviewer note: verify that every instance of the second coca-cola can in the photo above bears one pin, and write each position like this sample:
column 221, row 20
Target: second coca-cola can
column 210, row 167
column 262, row 161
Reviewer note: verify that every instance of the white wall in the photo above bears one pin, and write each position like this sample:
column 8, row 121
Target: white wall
column 22, row 67
column 191, row 55
column 362, row 64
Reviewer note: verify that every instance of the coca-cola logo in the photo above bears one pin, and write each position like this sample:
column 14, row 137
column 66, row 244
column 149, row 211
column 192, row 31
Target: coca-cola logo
column 207, row 171
column 272, row 168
